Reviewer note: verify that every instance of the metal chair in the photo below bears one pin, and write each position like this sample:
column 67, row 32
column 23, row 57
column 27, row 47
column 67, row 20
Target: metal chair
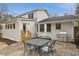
column 49, row 48
column 42, row 37
column 46, row 37
column 28, row 47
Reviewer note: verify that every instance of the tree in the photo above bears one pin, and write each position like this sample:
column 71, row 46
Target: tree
column 3, row 12
column 77, row 10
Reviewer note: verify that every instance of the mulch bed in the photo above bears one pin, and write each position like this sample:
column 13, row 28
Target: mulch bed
column 7, row 41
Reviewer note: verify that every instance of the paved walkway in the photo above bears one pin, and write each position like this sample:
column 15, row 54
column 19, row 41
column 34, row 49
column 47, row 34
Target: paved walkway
column 62, row 49
column 7, row 41
column 3, row 45
column 13, row 50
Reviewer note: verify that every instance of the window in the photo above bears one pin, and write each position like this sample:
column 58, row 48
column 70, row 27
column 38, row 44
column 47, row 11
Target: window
column 41, row 27
column 24, row 26
column 58, row 26
column 37, row 27
column 13, row 26
column 48, row 27
column 30, row 16
column 10, row 26
column 0, row 27
column 20, row 17
column 6, row 26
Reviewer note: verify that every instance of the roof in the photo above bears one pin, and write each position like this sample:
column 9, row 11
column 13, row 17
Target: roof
column 58, row 18
column 33, row 11
column 28, row 13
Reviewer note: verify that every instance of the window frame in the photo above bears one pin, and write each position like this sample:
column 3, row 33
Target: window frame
column 48, row 29
column 58, row 26
column 10, row 26
column 29, row 16
column 6, row 26
column 0, row 27
column 14, row 26
column 37, row 28
column 41, row 28
column 24, row 26
column 32, row 15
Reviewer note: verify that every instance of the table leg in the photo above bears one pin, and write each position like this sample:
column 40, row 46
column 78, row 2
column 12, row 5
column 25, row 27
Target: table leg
column 39, row 51
column 35, row 49
column 30, row 49
column 24, row 48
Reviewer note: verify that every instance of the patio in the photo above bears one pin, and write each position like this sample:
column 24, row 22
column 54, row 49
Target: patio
column 62, row 49
column 5, row 42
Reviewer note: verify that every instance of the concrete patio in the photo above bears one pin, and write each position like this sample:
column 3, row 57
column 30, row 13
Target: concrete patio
column 16, row 49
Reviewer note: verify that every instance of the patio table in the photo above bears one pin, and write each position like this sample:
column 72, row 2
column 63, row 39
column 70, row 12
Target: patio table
column 38, row 42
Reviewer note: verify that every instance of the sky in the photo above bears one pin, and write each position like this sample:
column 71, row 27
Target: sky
column 53, row 8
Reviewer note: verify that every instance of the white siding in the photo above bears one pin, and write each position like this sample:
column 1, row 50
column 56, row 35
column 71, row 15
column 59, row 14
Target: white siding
column 41, row 15
column 15, row 34
column 12, row 34
column 69, row 28
column 30, row 25
column 38, row 15
column 65, row 27
column 26, row 15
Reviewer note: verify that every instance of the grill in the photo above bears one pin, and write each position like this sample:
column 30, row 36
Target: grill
column 62, row 36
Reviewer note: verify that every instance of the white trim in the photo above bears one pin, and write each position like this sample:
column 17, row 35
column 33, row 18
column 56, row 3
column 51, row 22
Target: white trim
column 57, row 21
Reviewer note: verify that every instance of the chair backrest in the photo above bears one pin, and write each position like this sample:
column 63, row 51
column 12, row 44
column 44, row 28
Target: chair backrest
column 29, row 47
column 34, row 37
column 46, row 37
column 51, row 43
column 40, row 36
column 54, row 42
column 45, row 48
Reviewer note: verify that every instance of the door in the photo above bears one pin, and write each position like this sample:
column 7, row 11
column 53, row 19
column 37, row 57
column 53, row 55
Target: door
column 24, row 27
column 76, row 32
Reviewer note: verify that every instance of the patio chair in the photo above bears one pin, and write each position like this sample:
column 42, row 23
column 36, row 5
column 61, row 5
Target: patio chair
column 40, row 37
column 28, row 47
column 49, row 48
column 34, row 37
column 37, row 37
column 44, row 37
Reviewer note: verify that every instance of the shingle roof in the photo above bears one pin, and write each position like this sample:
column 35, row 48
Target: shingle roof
column 66, row 17
column 34, row 11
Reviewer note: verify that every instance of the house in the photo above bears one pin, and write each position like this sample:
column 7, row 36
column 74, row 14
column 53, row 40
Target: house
column 54, row 25
column 38, row 22
column 12, row 28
